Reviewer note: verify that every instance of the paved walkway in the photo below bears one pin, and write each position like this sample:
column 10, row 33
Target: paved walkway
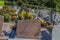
column 56, row 32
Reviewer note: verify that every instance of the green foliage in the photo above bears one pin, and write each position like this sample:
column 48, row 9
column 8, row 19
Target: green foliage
column 11, row 0
column 55, row 4
column 7, row 17
column 1, row 3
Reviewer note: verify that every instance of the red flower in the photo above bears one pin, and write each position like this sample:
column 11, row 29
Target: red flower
column 2, row 10
column 45, row 26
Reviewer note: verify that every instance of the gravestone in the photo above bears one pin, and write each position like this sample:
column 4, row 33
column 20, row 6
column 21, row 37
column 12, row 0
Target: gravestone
column 1, row 24
column 28, row 29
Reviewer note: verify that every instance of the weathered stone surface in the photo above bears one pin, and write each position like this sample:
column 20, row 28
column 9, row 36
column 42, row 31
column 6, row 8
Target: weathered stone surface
column 1, row 24
column 28, row 29
column 7, row 27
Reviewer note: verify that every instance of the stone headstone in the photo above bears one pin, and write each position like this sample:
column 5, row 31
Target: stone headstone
column 28, row 29
column 1, row 24
column 7, row 27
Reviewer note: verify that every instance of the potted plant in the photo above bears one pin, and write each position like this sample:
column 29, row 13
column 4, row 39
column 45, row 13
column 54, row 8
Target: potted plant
column 13, row 17
column 24, row 15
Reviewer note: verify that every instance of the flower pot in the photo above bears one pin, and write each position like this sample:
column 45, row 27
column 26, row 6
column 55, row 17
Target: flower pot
column 13, row 18
column 45, row 26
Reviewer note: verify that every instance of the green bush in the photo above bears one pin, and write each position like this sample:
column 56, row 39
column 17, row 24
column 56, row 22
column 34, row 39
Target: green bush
column 1, row 3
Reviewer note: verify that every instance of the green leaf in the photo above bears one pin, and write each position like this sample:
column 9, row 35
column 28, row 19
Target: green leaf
column 1, row 3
